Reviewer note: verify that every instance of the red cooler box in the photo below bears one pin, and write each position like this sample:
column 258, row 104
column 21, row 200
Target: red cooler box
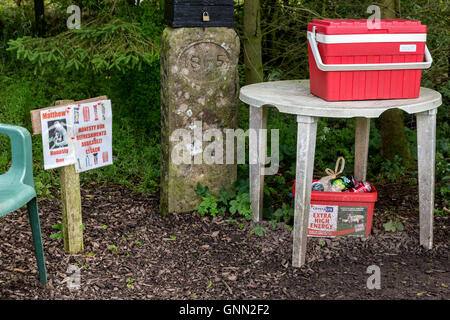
column 350, row 61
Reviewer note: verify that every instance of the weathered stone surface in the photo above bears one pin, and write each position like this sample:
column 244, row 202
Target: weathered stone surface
column 199, row 82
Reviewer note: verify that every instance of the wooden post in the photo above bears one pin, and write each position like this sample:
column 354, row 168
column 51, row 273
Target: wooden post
column 72, row 226
column 426, row 156
column 258, row 150
column 306, row 144
column 362, row 133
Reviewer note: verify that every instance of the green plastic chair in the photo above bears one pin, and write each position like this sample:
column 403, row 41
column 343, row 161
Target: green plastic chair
column 17, row 188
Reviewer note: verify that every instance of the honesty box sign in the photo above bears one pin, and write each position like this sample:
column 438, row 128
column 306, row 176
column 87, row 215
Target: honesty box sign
column 57, row 133
column 93, row 135
column 79, row 134
column 322, row 221
column 331, row 221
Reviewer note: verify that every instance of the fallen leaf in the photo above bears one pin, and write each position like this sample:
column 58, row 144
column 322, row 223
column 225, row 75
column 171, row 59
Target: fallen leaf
column 215, row 234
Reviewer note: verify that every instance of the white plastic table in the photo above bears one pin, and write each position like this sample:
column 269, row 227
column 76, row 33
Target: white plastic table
column 294, row 97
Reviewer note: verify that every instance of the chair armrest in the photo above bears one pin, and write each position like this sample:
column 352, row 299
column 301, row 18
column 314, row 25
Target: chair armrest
column 21, row 153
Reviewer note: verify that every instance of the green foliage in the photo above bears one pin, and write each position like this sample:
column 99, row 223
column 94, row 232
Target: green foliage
column 116, row 44
column 393, row 226
column 14, row 22
column 202, row 191
column 442, row 213
column 443, row 145
column 211, row 205
column 393, row 170
column 273, row 224
column 208, row 206
column 285, row 213
column 57, row 235
column 113, row 248
column 113, row 35
column 241, row 205
column 130, row 282
column 258, row 230
column 135, row 101
column 242, row 185
column 443, row 175
column 43, row 190
column 225, row 196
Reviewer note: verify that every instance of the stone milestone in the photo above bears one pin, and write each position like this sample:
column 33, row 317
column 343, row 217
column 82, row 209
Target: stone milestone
column 199, row 92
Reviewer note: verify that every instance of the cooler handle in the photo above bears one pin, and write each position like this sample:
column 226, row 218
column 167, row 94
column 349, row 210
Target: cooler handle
column 367, row 66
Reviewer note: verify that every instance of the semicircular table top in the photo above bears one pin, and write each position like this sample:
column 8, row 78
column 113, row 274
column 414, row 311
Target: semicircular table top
column 294, row 97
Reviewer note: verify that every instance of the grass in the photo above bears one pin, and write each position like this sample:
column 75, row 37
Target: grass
column 135, row 103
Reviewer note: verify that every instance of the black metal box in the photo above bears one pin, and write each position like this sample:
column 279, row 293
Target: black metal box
column 199, row 13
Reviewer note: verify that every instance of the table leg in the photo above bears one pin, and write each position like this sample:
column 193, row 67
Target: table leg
column 257, row 156
column 362, row 132
column 426, row 155
column 306, row 143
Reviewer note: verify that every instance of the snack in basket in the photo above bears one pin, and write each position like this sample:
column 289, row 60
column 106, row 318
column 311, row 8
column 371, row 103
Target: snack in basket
column 332, row 175
column 361, row 186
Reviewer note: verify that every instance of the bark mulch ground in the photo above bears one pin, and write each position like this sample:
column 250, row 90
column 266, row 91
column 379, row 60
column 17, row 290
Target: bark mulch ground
column 132, row 252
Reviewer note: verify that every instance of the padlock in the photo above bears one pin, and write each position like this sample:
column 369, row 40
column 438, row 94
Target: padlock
column 205, row 16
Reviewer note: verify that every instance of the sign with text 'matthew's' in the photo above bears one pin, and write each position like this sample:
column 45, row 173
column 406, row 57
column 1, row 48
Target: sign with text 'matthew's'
column 79, row 134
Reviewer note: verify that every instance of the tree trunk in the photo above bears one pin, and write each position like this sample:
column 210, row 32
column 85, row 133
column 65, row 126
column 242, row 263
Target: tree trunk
column 39, row 17
column 274, row 19
column 252, row 42
column 388, row 9
column 391, row 122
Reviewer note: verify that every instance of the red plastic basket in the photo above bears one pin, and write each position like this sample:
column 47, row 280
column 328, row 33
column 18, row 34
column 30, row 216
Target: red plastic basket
column 350, row 61
column 349, row 204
